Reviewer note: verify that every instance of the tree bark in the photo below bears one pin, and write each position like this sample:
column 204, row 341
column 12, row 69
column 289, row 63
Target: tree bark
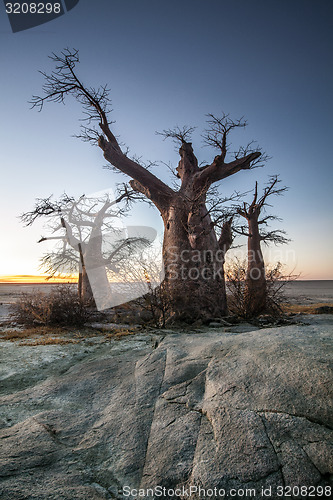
column 85, row 292
column 84, row 289
column 193, row 261
column 255, row 286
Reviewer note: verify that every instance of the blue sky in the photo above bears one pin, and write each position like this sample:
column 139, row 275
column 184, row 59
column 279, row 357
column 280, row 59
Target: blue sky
column 169, row 63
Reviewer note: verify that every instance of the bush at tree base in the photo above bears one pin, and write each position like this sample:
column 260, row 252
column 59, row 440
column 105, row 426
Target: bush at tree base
column 276, row 281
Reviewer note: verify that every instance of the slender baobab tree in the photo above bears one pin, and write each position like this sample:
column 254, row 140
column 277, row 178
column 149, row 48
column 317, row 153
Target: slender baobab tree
column 255, row 300
column 192, row 251
column 89, row 240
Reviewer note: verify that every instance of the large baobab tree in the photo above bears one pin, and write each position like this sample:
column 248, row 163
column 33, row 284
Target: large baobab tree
column 255, row 300
column 192, row 251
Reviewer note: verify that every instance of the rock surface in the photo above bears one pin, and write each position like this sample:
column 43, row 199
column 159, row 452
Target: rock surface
column 217, row 408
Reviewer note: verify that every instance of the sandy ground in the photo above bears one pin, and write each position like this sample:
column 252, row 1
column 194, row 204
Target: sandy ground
column 309, row 292
column 11, row 291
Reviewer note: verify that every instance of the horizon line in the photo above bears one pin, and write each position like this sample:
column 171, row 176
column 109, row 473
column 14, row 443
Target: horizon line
column 45, row 279
column 36, row 278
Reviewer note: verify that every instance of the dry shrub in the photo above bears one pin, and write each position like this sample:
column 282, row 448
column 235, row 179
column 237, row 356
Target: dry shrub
column 235, row 275
column 157, row 302
column 61, row 306
column 152, row 305
column 276, row 280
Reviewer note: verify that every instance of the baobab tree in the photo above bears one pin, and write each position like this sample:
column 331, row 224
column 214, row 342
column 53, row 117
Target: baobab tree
column 89, row 241
column 192, row 250
column 256, row 295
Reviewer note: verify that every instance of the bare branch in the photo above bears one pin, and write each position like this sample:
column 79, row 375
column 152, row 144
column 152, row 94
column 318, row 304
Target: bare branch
column 45, row 207
column 222, row 208
column 251, row 212
column 219, row 170
column 96, row 104
column 129, row 245
column 180, row 135
column 218, row 129
column 64, row 81
column 252, row 147
column 271, row 189
column 276, row 236
column 215, row 136
column 241, row 230
column 267, row 218
column 254, row 208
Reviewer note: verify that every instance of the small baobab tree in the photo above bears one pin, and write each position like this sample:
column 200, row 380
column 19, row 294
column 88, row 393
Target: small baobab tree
column 89, row 240
column 192, row 251
column 255, row 299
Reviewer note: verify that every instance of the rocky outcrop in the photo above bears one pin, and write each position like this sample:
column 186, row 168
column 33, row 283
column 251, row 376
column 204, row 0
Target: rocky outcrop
column 214, row 409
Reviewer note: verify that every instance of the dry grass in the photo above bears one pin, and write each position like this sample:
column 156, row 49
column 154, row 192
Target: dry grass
column 27, row 333
column 49, row 341
column 303, row 309
column 118, row 334
column 47, row 335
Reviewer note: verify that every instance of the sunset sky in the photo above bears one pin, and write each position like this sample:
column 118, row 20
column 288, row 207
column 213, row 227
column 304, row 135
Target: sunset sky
column 170, row 63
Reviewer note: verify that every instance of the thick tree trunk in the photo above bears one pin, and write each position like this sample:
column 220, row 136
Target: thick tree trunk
column 256, row 287
column 193, row 261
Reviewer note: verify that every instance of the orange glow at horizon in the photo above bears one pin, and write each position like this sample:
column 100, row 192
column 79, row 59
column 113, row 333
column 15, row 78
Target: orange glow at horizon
column 30, row 278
